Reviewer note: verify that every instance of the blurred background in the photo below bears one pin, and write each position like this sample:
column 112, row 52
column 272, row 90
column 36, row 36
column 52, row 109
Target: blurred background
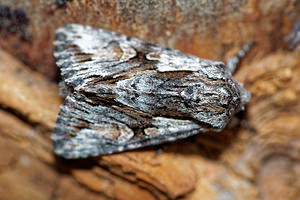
column 258, row 158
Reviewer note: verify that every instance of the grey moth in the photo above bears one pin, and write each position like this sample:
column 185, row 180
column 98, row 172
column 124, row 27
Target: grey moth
column 123, row 93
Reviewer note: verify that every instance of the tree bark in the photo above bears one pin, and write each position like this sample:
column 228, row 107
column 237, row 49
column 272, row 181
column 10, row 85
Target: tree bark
column 257, row 159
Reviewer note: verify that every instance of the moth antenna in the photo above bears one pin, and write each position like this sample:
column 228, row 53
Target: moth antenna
column 293, row 39
column 234, row 61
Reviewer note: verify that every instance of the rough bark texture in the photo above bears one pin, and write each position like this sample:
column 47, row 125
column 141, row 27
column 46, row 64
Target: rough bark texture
column 257, row 160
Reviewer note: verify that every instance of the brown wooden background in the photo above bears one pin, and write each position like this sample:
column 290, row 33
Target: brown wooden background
column 258, row 159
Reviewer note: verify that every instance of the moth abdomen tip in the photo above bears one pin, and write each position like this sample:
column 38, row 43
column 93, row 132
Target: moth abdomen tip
column 60, row 36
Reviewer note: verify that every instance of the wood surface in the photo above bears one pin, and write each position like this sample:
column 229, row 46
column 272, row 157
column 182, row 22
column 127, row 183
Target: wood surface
column 257, row 157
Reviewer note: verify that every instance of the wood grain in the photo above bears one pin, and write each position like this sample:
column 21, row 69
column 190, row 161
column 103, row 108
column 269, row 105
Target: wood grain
column 258, row 159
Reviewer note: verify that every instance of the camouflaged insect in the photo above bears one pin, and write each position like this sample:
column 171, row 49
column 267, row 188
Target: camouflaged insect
column 123, row 93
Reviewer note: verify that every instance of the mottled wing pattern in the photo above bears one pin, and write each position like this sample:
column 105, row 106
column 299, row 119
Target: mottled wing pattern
column 123, row 93
column 85, row 129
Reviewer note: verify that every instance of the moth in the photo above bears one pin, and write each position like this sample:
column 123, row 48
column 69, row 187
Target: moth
column 123, row 93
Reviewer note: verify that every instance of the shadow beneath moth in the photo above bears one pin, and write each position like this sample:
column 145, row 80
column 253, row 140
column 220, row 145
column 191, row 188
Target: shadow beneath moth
column 122, row 93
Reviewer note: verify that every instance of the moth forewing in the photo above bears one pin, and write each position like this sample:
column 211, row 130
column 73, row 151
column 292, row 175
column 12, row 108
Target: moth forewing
column 124, row 93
